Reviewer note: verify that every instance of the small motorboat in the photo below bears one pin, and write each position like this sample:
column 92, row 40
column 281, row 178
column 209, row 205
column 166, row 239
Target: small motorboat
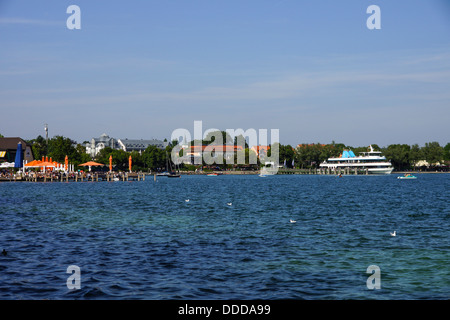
column 407, row 176
column 212, row 174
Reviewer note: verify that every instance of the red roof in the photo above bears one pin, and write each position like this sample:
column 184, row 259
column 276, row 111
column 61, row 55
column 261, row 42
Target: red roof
column 257, row 148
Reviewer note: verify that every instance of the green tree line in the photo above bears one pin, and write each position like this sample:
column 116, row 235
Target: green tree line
column 58, row 147
column 402, row 156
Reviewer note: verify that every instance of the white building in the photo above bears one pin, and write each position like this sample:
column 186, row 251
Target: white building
column 94, row 147
column 127, row 145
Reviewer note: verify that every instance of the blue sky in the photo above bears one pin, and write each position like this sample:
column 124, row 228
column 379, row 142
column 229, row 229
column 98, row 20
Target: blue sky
column 312, row 69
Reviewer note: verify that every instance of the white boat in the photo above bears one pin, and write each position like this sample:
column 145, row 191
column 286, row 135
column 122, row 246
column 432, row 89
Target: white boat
column 262, row 175
column 371, row 161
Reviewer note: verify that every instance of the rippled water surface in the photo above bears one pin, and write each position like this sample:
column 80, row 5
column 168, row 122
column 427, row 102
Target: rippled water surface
column 142, row 240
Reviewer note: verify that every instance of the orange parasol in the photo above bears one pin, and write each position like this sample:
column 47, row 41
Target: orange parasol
column 46, row 164
column 33, row 164
column 90, row 164
column 66, row 163
column 110, row 163
column 129, row 162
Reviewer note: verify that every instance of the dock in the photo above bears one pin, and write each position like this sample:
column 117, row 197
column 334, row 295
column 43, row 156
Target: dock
column 76, row 177
column 140, row 176
column 325, row 171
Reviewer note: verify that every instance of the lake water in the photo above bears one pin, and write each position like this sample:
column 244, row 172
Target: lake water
column 142, row 240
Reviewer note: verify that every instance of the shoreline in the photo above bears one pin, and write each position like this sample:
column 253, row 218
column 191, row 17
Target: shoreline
column 141, row 176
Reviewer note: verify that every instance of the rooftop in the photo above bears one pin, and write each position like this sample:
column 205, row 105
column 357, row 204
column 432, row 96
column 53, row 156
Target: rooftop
column 11, row 143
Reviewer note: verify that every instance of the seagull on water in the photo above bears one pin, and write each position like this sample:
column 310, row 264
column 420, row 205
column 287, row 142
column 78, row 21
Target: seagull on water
column 187, row 200
column 229, row 203
column 394, row 233
column 292, row 221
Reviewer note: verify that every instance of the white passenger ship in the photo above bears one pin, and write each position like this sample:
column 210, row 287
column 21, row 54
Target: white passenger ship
column 372, row 161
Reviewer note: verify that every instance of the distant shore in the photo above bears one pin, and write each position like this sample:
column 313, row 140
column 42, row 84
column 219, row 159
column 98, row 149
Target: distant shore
column 125, row 176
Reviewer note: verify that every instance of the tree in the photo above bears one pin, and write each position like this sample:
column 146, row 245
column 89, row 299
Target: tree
column 119, row 158
column 327, row 151
column 399, row 156
column 286, row 153
column 302, row 157
column 311, row 155
column 250, row 159
column 81, row 156
column 154, row 158
column 103, row 155
column 337, row 149
column 38, row 147
column 211, row 138
column 240, row 141
column 137, row 161
column 59, row 147
column 447, row 152
column 433, row 152
column 415, row 154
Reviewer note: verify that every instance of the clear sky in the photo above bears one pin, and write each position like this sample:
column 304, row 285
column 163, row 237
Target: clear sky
column 310, row 68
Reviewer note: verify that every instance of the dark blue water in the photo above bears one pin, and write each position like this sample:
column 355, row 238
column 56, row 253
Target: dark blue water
column 142, row 240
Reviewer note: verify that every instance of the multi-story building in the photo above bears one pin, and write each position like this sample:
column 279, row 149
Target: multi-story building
column 127, row 145
column 94, row 147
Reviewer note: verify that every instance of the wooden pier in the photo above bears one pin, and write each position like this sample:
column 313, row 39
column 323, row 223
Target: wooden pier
column 77, row 177
column 140, row 176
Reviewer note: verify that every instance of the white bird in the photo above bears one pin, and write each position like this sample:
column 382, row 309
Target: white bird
column 394, row 233
column 229, row 203
column 292, row 221
column 187, row 200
